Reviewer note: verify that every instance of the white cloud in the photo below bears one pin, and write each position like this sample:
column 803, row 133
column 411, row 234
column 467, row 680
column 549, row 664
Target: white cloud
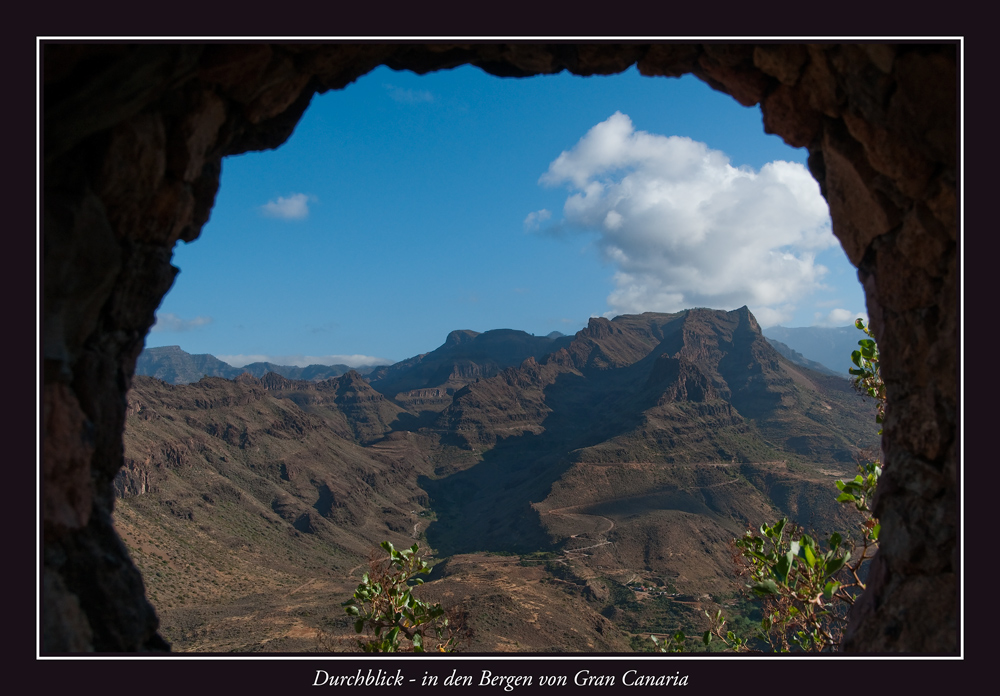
column 408, row 96
column 684, row 228
column 775, row 316
column 839, row 317
column 535, row 219
column 295, row 207
column 305, row 360
column 171, row 322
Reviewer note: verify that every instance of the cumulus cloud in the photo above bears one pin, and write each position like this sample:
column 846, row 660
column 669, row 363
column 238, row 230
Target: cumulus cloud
column 295, row 207
column 408, row 96
column 534, row 220
column 171, row 322
column 839, row 317
column 684, row 228
column 305, row 360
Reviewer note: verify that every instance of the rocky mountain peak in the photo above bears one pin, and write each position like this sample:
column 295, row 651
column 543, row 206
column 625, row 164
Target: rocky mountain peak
column 460, row 336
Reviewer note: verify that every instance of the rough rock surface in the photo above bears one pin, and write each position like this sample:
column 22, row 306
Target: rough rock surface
column 134, row 138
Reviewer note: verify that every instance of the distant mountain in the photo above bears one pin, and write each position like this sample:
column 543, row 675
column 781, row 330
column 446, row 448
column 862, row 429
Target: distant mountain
column 428, row 381
column 174, row 366
column 831, row 347
column 309, row 373
column 799, row 359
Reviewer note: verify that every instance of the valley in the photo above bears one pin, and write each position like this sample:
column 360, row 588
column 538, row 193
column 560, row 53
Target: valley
column 542, row 476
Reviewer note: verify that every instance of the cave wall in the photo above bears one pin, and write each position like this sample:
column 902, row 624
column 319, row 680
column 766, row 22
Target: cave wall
column 133, row 138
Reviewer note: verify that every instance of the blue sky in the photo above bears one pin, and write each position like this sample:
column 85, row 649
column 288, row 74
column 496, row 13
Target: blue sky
column 404, row 207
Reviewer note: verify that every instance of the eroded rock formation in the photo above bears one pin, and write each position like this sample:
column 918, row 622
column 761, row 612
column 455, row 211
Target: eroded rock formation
column 134, row 136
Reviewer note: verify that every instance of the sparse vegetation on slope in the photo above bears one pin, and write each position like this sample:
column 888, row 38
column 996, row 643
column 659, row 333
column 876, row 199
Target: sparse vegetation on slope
column 637, row 449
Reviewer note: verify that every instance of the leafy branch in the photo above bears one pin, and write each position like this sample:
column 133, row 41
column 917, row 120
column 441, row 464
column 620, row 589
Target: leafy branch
column 384, row 604
column 867, row 377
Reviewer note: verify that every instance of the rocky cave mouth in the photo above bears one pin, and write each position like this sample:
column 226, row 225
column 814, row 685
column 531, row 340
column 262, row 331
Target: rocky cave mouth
column 134, row 137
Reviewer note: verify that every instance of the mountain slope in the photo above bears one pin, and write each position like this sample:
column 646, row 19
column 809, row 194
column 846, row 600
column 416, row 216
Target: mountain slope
column 637, row 448
column 656, row 394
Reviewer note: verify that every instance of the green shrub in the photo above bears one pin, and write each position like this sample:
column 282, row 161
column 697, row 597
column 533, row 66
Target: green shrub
column 385, row 606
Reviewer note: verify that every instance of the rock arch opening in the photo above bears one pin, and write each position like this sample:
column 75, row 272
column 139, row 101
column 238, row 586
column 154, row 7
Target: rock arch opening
column 134, row 137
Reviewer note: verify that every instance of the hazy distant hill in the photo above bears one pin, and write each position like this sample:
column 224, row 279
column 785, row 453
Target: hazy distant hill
column 799, row 359
column 173, row 365
column 637, row 448
column 830, row 347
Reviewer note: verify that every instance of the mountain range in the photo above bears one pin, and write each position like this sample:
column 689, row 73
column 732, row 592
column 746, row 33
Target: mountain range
column 543, row 475
column 828, row 350
column 173, row 365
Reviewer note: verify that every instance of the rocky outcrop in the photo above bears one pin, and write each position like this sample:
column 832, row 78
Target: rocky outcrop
column 134, row 137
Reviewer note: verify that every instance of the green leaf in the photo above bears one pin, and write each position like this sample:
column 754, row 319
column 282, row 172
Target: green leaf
column 418, row 641
column 784, row 566
column 835, row 540
column 835, row 564
column 706, row 638
column 810, row 556
column 765, row 587
column 359, row 625
column 780, row 526
column 845, row 498
column 352, row 610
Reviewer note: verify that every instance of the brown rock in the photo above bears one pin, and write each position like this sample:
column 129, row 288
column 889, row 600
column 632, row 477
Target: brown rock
column 787, row 112
column 67, row 497
column 783, row 61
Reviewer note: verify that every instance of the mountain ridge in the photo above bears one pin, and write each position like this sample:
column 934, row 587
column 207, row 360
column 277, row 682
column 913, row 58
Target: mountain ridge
column 636, row 448
column 174, row 365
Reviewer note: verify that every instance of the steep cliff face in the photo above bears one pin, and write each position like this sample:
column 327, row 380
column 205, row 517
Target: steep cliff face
column 134, row 136
column 654, row 398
